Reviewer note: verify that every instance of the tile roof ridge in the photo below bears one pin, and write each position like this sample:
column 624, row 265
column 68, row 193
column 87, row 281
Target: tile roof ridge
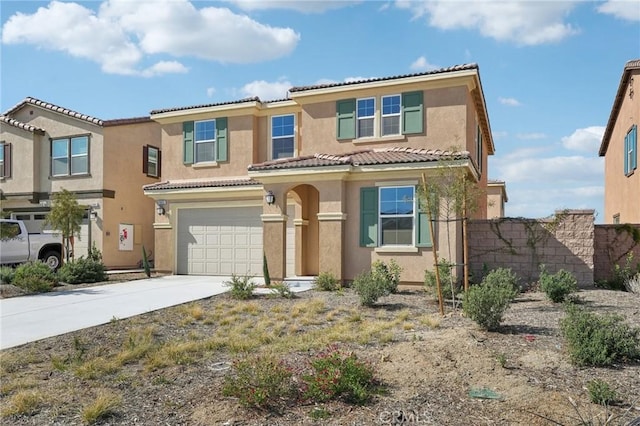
column 53, row 107
column 19, row 124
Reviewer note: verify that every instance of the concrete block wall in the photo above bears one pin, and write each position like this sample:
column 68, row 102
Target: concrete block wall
column 612, row 245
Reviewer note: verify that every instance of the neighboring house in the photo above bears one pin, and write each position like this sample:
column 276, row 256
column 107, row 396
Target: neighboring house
column 45, row 148
column 323, row 181
column 620, row 151
column 496, row 197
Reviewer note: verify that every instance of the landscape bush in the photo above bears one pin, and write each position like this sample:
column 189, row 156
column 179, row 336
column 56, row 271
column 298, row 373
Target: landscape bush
column 326, row 281
column 600, row 392
column 486, row 303
column 35, row 277
column 241, row 288
column 262, row 382
column 6, row 274
column 281, row 290
column 621, row 275
column 83, row 270
column 632, row 285
column 388, row 273
column 598, row 340
column 370, row 287
column 557, row 286
column 337, row 375
column 448, row 289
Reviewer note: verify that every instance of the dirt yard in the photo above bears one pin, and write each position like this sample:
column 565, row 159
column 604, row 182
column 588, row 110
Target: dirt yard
column 435, row 369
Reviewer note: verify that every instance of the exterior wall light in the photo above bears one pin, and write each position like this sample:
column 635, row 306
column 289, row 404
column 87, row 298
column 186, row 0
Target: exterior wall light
column 160, row 207
column 270, row 198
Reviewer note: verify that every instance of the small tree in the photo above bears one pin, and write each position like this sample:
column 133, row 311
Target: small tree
column 66, row 216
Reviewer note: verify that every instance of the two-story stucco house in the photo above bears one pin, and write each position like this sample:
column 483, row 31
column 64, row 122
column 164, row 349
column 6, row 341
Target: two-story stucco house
column 619, row 148
column 322, row 181
column 45, row 148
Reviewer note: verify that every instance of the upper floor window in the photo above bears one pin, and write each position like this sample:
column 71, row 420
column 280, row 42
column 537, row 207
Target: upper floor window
column 282, row 136
column 70, row 156
column 631, row 150
column 401, row 114
column 366, row 117
column 205, row 141
column 5, row 160
column 390, row 115
column 151, row 157
column 616, row 219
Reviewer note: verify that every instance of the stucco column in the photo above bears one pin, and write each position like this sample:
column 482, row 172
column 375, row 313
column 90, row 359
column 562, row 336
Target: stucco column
column 331, row 227
column 274, row 235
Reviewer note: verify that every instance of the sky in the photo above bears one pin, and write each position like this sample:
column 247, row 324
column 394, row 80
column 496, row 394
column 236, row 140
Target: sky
column 549, row 69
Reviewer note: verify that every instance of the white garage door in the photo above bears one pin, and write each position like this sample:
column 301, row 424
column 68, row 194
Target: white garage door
column 223, row 241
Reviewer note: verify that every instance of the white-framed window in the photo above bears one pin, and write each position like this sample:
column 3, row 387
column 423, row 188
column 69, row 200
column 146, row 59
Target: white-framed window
column 391, row 107
column 205, row 141
column 70, row 156
column 365, row 114
column 396, row 215
column 151, row 161
column 282, row 136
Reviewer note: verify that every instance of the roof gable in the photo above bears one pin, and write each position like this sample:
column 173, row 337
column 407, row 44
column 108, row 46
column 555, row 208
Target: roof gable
column 20, row 125
column 54, row 108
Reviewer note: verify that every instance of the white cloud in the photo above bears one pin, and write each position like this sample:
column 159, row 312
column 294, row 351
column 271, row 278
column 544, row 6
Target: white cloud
column 421, row 64
column 628, row 10
column 550, row 170
column 521, row 22
column 587, row 139
column 544, row 201
column 122, row 34
column 304, row 6
column 509, row 101
column 211, row 91
column 531, row 136
column 266, row 90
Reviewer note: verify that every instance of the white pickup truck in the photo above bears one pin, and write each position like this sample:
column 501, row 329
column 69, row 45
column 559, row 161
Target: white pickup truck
column 18, row 246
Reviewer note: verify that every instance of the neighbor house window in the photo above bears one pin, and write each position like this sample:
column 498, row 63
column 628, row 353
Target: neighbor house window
column 616, row 219
column 151, row 157
column 366, row 117
column 70, row 156
column 390, row 115
column 631, row 150
column 205, row 141
column 282, row 136
column 5, row 160
column 390, row 216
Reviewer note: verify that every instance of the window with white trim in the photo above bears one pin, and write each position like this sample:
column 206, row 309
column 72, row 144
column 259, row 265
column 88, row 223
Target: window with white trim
column 70, row 156
column 365, row 110
column 390, row 115
column 282, row 136
column 396, row 215
column 205, row 141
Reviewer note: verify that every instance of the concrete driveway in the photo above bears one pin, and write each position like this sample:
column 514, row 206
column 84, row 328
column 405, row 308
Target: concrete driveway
column 30, row 318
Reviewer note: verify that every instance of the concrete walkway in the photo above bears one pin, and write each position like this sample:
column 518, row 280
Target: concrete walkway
column 30, row 318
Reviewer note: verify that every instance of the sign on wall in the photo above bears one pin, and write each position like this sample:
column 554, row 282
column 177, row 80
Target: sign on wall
column 125, row 237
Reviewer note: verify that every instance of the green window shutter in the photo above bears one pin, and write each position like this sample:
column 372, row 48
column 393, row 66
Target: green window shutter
column 346, row 119
column 222, row 140
column 368, row 217
column 412, row 113
column 626, row 154
column 634, row 147
column 423, row 231
column 187, row 140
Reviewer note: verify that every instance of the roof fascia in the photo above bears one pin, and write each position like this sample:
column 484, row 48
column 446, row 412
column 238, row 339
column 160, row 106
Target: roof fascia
column 615, row 109
column 194, row 114
column 208, row 193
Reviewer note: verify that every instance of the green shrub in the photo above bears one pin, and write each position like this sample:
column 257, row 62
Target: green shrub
column 336, row 375
column 598, row 340
column 83, row 270
column 621, row 274
column 282, row 290
column 145, row 263
column 444, row 269
column 326, row 281
column 600, row 392
column 35, row 277
column 94, row 253
column 6, row 274
column 259, row 382
column 241, row 287
column 370, row 287
column 265, row 270
column 389, row 273
column 486, row 303
column 558, row 286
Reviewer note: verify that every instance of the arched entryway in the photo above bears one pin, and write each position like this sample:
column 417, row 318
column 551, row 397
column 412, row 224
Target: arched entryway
column 307, row 237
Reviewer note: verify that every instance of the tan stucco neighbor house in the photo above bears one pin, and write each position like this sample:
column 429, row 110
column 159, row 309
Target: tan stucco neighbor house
column 496, row 198
column 619, row 148
column 45, row 148
column 322, row 181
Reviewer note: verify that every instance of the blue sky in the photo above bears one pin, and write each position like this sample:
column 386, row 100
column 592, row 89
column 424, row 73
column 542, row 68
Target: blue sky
column 549, row 69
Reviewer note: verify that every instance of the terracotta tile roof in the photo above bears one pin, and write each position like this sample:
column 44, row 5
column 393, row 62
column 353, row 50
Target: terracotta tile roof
column 56, row 108
column 240, row 101
column 366, row 157
column 190, row 184
column 121, row 121
column 629, row 67
column 20, row 125
column 438, row 71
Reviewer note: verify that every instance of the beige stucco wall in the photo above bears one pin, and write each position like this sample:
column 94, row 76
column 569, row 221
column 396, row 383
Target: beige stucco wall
column 495, row 198
column 621, row 192
column 25, row 165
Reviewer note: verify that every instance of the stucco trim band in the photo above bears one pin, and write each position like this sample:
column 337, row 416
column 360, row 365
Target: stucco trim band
column 273, row 217
column 332, row 216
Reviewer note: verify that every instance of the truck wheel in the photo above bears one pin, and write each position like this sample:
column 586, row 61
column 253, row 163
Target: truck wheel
column 52, row 259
